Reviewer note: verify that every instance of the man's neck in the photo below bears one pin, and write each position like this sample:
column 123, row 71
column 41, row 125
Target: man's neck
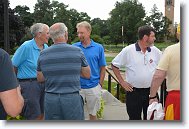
column 86, row 43
column 142, row 46
column 61, row 40
column 39, row 44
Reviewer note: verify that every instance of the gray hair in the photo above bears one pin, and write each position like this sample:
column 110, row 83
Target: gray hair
column 38, row 27
column 84, row 24
column 58, row 30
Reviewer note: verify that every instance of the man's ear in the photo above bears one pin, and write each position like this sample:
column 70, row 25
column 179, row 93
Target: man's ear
column 39, row 34
column 145, row 37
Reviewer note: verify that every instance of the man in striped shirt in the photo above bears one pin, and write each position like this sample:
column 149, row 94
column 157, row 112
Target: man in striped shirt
column 60, row 67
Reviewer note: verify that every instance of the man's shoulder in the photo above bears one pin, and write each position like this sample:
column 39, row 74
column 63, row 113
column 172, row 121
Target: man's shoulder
column 96, row 43
column 174, row 46
column 3, row 54
column 130, row 47
column 26, row 44
column 76, row 44
column 155, row 48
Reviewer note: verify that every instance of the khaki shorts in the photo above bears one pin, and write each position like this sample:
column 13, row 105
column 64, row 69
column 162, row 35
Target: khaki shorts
column 92, row 99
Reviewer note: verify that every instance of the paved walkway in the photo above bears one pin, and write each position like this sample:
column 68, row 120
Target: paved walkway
column 110, row 54
column 113, row 110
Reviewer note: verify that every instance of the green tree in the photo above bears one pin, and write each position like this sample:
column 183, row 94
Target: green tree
column 43, row 12
column 129, row 14
column 99, row 27
column 16, row 27
column 159, row 22
column 24, row 13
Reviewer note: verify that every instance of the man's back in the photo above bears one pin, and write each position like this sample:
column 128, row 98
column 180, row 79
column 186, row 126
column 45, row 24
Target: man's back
column 61, row 65
column 170, row 62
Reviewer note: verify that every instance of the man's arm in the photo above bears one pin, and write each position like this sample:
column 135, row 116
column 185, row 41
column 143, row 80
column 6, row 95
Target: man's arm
column 102, row 74
column 124, row 84
column 12, row 101
column 157, row 80
column 40, row 77
column 85, row 72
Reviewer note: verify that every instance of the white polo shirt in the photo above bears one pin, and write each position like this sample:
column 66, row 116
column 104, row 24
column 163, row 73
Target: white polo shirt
column 139, row 66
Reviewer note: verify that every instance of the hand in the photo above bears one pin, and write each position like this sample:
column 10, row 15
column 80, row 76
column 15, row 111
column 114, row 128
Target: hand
column 127, row 86
column 19, row 88
column 153, row 100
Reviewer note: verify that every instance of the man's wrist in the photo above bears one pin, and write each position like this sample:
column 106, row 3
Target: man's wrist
column 152, row 97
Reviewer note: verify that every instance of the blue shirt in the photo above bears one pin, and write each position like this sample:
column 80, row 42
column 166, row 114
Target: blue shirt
column 25, row 59
column 94, row 54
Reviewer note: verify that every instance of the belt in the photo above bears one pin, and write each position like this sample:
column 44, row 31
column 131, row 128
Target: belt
column 27, row 79
column 63, row 93
column 140, row 89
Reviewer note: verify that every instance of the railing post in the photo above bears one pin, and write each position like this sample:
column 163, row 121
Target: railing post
column 118, row 91
column 109, row 83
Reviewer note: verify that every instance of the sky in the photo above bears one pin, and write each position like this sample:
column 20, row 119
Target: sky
column 101, row 8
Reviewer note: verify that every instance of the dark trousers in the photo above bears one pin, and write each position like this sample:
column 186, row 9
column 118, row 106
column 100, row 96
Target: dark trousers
column 136, row 102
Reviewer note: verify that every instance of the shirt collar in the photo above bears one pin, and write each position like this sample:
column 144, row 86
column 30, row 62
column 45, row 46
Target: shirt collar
column 91, row 44
column 139, row 49
column 35, row 44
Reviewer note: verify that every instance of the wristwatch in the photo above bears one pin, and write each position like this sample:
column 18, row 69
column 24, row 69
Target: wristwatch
column 152, row 97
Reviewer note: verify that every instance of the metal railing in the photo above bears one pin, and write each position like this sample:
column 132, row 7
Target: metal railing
column 110, row 76
column 162, row 95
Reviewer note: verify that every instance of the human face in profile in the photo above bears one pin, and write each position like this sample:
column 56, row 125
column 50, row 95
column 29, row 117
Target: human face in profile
column 151, row 38
column 44, row 35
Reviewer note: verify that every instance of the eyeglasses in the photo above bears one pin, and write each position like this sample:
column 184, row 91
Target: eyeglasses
column 145, row 60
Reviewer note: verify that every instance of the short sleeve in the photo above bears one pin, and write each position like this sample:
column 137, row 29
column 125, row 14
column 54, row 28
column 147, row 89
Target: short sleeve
column 38, row 63
column 8, row 78
column 102, row 61
column 164, row 61
column 120, row 59
column 19, row 56
column 84, row 62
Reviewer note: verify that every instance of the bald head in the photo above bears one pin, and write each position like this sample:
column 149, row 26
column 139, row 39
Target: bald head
column 58, row 32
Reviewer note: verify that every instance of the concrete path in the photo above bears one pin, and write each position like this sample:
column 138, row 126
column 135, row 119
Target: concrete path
column 113, row 110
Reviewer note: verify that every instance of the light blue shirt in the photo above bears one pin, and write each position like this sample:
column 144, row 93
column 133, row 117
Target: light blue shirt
column 25, row 59
column 94, row 54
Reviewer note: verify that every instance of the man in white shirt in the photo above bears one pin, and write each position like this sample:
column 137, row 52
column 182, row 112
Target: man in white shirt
column 140, row 60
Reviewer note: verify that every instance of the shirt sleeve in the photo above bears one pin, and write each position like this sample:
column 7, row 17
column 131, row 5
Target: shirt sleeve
column 102, row 61
column 120, row 59
column 8, row 78
column 84, row 62
column 164, row 61
column 38, row 63
column 19, row 56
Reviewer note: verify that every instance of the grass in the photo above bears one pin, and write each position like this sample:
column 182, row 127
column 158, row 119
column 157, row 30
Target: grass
column 109, row 59
column 119, row 47
column 114, row 90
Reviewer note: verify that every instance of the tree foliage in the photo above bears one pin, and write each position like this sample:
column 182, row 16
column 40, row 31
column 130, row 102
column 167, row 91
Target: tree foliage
column 16, row 27
column 129, row 14
column 122, row 26
column 159, row 22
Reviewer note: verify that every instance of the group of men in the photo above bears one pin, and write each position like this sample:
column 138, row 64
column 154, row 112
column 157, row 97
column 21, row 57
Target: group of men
column 55, row 82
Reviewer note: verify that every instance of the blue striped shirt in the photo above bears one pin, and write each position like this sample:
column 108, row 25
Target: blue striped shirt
column 61, row 66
